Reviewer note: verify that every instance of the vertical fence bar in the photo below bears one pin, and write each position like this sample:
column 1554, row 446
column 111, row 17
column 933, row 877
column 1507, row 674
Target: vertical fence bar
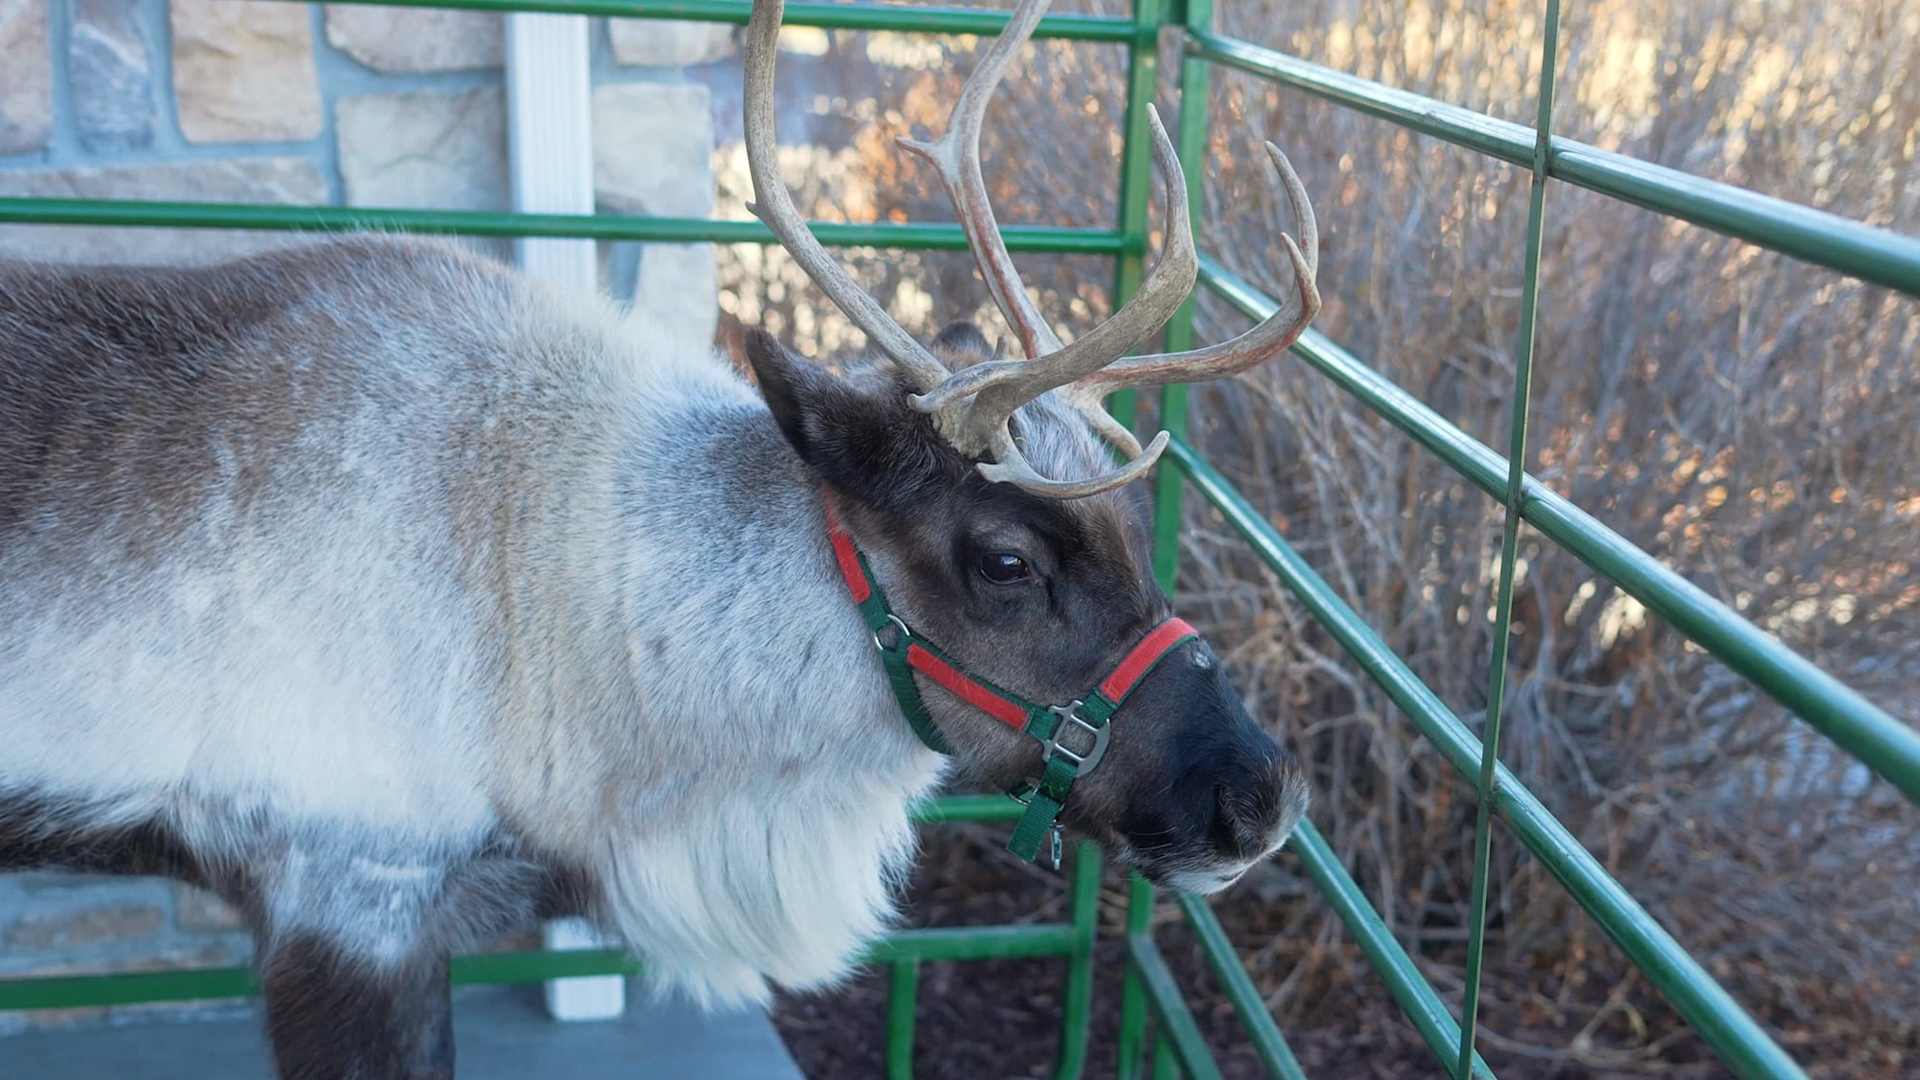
column 1133, row 993
column 1076, row 1007
column 903, row 994
column 1136, row 168
column 1509, row 542
column 1190, row 140
column 1136, row 183
column 1165, row 1065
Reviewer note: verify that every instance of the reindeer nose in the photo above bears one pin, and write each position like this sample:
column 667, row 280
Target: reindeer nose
column 1256, row 809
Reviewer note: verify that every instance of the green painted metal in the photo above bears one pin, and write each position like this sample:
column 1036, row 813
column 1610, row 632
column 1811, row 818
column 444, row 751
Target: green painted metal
column 1715, row 1015
column 1509, row 543
column 1133, row 990
column 207, row 984
column 541, row 965
column 1076, row 998
column 188, row 215
column 903, row 993
column 1410, row 989
column 1876, row 255
column 1136, row 182
column 80, row 991
column 1190, row 142
column 1884, row 744
column 901, row 18
column 974, row 943
column 1136, row 171
column 1265, row 1035
column 1172, row 1019
column 1165, row 1065
column 974, row 808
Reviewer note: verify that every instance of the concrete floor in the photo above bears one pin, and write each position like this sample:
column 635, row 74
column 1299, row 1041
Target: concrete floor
column 501, row 1033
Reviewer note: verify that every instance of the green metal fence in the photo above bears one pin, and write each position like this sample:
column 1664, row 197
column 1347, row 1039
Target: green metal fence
column 1153, row 1013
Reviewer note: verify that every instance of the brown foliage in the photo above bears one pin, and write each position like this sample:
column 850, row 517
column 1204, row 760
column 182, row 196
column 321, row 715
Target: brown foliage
column 1751, row 421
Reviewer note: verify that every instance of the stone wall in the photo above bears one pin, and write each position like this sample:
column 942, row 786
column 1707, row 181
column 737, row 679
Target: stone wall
column 263, row 101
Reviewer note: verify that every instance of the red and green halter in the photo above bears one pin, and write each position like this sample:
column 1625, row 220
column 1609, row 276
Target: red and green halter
column 904, row 652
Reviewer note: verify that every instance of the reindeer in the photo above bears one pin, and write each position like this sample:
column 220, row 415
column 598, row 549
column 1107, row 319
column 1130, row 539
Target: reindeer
column 401, row 601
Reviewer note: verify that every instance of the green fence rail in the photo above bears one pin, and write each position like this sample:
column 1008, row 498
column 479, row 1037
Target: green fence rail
column 1155, row 1020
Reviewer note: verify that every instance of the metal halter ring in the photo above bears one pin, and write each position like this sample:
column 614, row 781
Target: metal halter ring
column 905, row 634
column 1069, row 714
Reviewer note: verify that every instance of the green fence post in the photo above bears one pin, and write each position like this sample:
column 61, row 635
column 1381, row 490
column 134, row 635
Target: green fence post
column 1076, row 1006
column 1136, row 169
column 1165, row 1065
column 1509, row 543
column 1133, row 993
column 1190, row 140
column 1136, row 182
column 903, row 993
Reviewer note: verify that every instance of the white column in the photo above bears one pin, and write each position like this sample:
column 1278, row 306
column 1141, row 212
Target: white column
column 550, row 136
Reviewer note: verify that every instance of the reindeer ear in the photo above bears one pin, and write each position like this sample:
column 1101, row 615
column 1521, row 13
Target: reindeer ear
column 870, row 447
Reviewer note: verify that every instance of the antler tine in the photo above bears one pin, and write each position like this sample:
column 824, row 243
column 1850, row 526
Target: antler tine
column 955, row 156
column 1010, row 466
column 775, row 207
column 987, row 394
column 1270, row 338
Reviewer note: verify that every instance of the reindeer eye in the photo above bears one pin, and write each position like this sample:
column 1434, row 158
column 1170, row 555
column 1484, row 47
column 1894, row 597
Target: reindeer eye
column 1004, row 568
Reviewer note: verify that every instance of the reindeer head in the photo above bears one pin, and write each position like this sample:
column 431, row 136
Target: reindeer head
column 983, row 494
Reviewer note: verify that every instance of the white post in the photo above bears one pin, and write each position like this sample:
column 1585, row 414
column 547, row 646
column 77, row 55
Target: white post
column 550, row 137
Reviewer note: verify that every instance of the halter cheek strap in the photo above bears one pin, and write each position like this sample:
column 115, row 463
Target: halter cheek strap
column 905, row 653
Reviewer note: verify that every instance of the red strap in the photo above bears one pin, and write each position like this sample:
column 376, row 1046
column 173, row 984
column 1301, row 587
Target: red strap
column 966, row 689
column 1164, row 639
column 847, row 557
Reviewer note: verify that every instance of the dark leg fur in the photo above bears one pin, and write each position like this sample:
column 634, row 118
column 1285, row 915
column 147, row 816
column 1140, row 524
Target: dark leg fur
column 331, row 1018
column 37, row 830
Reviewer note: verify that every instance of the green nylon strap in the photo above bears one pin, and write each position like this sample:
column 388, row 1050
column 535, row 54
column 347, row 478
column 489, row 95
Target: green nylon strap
column 880, row 619
column 1043, row 807
column 907, row 692
column 1097, row 709
column 1050, row 794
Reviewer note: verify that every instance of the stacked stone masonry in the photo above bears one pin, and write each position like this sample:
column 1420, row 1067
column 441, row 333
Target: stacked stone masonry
column 266, row 101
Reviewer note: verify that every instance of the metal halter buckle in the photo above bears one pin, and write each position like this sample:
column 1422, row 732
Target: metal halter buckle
column 900, row 628
column 1083, row 763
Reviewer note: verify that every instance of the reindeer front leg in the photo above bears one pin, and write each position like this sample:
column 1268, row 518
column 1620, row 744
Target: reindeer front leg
column 332, row 1015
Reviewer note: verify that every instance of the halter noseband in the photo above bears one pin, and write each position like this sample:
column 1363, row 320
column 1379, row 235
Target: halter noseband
column 905, row 652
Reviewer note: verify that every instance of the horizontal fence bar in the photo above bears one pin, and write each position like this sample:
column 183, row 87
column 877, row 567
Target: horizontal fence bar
column 206, row 984
column 974, row 943
column 1711, row 1011
column 959, row 808
column 1170, row 1012
column 896, row 17
column 671, row 230
column 1265, row 1035
column 1887, row 746
column 1876, row 255
column 540, row 965
column 132, row 988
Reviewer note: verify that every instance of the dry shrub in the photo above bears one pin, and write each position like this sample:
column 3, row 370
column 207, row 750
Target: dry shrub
column 1751, row 421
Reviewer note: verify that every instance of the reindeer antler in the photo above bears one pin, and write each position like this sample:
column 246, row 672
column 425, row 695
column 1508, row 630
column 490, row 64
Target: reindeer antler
column 775, row 207
column 972, row 407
